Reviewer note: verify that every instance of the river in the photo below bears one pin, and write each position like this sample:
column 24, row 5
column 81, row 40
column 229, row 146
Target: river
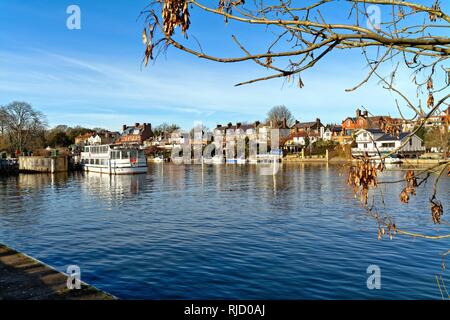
column 223, row 232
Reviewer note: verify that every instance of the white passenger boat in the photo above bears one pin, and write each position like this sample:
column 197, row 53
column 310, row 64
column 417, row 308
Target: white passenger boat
column 114, row 159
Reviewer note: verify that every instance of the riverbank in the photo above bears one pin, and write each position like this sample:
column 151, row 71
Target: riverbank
column 317, row 159
column 25, row 278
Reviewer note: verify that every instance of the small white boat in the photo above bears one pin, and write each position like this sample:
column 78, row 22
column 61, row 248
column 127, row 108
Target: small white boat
column 241, row 161
column 392, row 159
column 113, row 159
column 231, row 161
column 217, row 160
column 158, row 159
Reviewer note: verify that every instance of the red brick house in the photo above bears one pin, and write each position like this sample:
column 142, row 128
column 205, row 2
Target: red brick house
column 136, row 134
column 363, row 121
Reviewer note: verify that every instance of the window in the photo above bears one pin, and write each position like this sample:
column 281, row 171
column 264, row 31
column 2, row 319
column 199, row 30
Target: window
column 388, row 145
column 365, row 145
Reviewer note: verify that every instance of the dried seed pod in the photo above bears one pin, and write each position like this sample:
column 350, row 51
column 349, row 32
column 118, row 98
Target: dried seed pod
column 404, row 196
column 175, row 13
column 411, row 179
column 437, row 210
column 430, row 100
column 269, row 60
column 430, row 84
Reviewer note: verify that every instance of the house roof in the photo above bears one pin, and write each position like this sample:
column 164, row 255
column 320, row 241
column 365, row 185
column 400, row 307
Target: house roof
column 350, row 118
column 310, row 124
column 299, row 134
column 86, row 135
column 380, row 135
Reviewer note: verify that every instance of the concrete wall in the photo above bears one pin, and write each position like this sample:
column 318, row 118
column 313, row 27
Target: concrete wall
column 44, row 164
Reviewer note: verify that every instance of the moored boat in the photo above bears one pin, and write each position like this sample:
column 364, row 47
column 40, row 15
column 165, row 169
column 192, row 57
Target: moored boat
column 114, row 159
column 392, row 159
column 158, row 159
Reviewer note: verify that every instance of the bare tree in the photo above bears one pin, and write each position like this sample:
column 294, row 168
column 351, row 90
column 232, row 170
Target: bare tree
column 2, row 128
column 278, row 113
column 24, row 126
column 392, row 35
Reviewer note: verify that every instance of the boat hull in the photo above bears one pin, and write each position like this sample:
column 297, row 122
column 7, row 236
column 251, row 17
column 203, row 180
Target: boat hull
column 116, row 171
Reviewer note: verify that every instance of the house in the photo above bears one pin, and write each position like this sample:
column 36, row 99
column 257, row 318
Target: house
column 375, row 141
column 331, row 132
column 240, row 130
column 301, row 139
column 438, row 120
column 104, row 137
column 313, row 126
column 83, row 139
column 364, row 121
column 136, row 134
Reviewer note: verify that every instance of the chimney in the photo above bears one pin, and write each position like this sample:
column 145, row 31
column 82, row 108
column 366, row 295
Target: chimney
column 229, row 124
column 358, row 113
column 124, row 127
column 238, row 125
column 137, row 124
column 257, row 123
column 219, row 126
column 366, row 113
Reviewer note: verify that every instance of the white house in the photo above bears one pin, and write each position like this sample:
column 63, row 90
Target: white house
column 327, row 135
column 374, row 141
column 102, row 138
column 95, row 140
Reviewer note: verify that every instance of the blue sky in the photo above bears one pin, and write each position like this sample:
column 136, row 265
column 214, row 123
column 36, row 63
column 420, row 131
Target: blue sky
column 93, row 76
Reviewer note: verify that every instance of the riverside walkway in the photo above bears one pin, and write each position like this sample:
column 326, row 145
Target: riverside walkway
column 24, row 278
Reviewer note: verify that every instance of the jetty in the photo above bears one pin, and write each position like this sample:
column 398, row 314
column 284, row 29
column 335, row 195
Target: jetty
column 25, row 278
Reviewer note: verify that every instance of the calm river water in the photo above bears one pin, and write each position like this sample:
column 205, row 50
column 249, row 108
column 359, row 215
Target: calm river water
column 221, row 232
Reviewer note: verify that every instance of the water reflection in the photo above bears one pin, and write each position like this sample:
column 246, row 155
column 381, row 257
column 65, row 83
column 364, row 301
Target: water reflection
column 112, row 187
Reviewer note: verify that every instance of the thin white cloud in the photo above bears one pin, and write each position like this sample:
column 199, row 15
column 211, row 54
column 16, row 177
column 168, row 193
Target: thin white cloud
column 62, row 82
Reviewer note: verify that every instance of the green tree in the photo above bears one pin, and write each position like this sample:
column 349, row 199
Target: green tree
column 58, row 137
column 436, row 138
column 74, row 132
